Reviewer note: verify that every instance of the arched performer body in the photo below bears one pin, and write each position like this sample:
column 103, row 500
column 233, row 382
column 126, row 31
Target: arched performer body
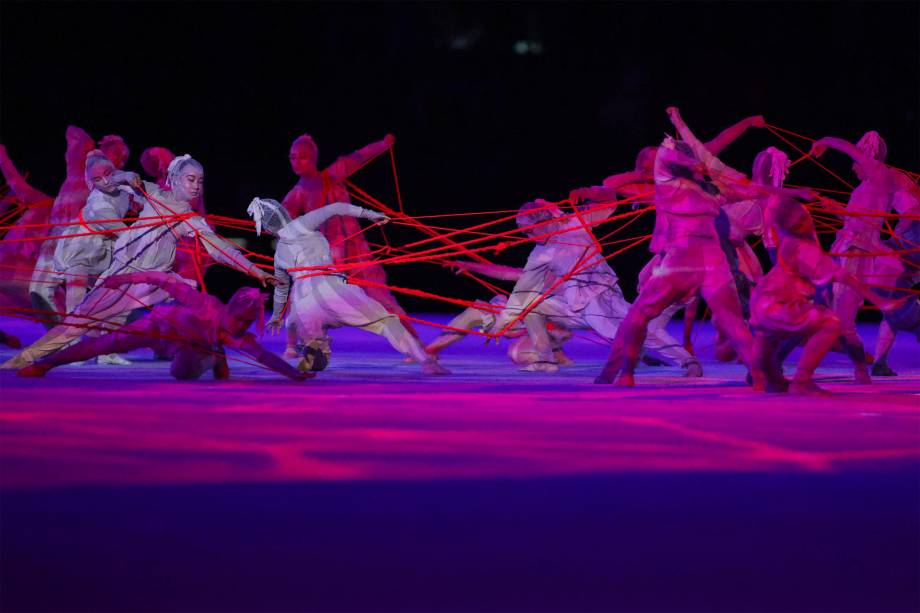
column 317, row 295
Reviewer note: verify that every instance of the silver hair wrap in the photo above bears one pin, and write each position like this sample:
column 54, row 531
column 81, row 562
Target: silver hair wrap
column 266, row 213
column 174, row 167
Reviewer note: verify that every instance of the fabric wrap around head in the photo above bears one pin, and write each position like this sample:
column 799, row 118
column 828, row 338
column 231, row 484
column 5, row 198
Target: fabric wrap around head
column 176, row 165
column 269, row 214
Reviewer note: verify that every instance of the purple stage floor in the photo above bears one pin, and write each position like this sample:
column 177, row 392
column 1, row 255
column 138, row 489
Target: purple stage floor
column 374, row 488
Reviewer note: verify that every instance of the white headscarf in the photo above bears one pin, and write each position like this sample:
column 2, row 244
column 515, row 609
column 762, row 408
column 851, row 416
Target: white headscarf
column 172, row 171
column 269, row 214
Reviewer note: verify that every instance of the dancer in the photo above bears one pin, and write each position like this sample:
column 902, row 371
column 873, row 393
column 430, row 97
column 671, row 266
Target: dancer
column 70, row 200
column 190, row 262
column 567, row 281
column 782, row 304
column 323, row 298
column 146, row 246
column 316, row 188
column 691, row 185
column 84, row 251
column 194, row 331
column 638, row 185
column 880, row 187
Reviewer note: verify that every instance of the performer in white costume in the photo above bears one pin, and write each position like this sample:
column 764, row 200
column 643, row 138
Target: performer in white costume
column 322, row 297
column 588, row 299
column 85, row 250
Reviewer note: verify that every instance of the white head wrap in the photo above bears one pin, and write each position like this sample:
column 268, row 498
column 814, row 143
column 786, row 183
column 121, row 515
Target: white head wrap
column 268, row 214
column 176, row 165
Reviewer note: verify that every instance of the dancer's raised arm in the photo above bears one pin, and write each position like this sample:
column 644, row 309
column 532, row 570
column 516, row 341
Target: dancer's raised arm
column 349, row 164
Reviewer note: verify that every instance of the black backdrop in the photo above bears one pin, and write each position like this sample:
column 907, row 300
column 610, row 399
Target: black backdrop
column 479, row 124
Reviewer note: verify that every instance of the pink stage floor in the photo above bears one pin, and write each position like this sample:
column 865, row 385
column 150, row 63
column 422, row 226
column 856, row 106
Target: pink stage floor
column 374, row 488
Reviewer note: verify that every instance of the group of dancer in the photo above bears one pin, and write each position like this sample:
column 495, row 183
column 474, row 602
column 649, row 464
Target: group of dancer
column 130, row 254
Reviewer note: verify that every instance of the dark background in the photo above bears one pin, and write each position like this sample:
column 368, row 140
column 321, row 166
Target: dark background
column 479, row 126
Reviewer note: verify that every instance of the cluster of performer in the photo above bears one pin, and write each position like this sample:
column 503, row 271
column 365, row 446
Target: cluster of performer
column 126, row 257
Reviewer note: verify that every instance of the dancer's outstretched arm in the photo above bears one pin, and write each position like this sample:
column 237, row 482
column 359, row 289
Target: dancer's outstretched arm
column 248, row 344
column 347, row 165
column 712, row 163
column 730, row 134
column 314, row 219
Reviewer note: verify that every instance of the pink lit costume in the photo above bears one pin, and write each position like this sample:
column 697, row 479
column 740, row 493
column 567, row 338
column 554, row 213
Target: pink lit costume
column 691, row 185
column 70, row 199
column 635, row 184
column 20, row 248
column 319, row 188
column 880, row 189
column 782, row 304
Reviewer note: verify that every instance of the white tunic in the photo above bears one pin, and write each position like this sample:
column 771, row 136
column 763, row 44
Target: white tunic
column 102, row 213
column 150, row 244
column 322, row 298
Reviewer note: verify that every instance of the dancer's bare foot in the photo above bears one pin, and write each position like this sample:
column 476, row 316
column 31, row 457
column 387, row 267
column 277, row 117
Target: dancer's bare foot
column 562, row 358
column 433, row 368
column 807, row 388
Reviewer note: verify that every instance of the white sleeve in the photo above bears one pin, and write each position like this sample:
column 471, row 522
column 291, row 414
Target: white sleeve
column 220, row 248
column 314, row 219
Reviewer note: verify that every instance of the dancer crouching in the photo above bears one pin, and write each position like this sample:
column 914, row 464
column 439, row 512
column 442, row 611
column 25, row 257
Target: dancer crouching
column 322, row 297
